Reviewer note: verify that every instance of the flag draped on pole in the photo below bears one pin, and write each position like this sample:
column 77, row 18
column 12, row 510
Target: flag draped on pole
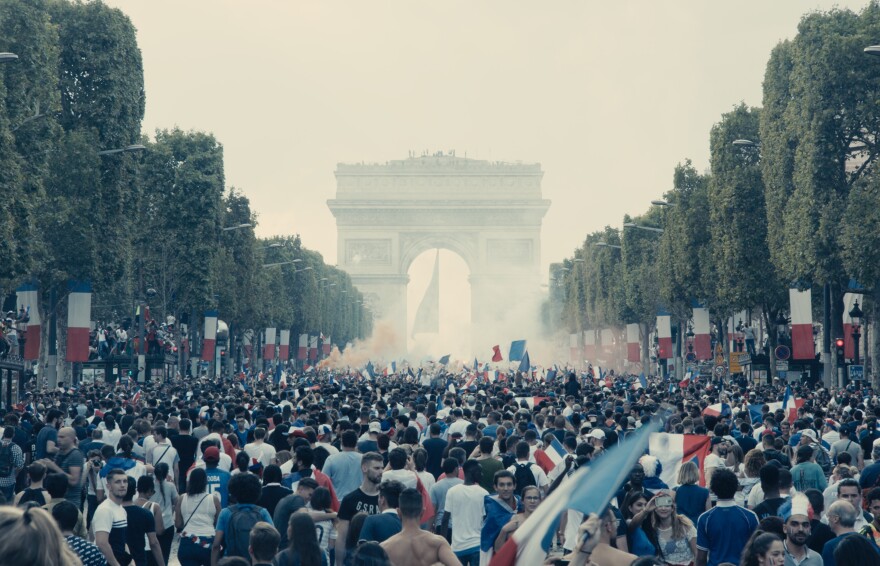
column 28, row 298
column 496, row 354
column 79, row 317
column 633, row 350
column 303, row 351
column 802, row 347
column 517, row 349
column 284, row 346
column 269, row 345
column 525, row 364
column 210, row 337
column 702, row 339
column 664, row 335
column 588, row 490
column 673, row 450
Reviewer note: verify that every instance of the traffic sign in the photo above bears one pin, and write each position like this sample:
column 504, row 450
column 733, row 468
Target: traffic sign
column 856, row 373
column 719, row 371
column 745, row 359
column 782, row 352
column 734, row 363
column 691, row 357
column 781, row 365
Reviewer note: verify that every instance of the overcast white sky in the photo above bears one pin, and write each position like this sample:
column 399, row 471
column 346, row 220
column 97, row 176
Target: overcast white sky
column 608, row 96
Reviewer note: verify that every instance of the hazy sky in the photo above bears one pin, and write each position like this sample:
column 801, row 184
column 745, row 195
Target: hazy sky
column 607, row 96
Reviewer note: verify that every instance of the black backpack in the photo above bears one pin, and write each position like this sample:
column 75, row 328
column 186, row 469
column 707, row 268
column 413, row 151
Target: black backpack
column 524, row 476
column 238, row 532
column 7, row 466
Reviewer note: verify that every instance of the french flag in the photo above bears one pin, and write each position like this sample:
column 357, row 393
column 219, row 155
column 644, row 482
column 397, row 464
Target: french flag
column 313, row 348
column 718, row 410
column 685, row 382
column 284, row 346
column 28, row 297
column 79, row 316
column 633, row 353
column 607, row 337
column 303, row 351
column 801, row 324
column 664, row 336
column 530, row 401
column 672, row 450
column 590, row 344
column 210, row 337
column 269, row 344
column 574, row 347
column 550, row 456
column 702, row 328
column 588, row 490
column 789, row 404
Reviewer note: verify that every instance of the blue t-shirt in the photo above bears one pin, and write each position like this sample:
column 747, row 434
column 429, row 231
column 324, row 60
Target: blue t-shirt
column 225, row 514
column 690, row 499
column 723, row 532
column 218, row 482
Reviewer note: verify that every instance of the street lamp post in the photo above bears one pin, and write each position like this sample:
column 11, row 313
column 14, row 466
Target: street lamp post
column 856, row 315
column 607, row 245
column 6, row 57
column 640, row 227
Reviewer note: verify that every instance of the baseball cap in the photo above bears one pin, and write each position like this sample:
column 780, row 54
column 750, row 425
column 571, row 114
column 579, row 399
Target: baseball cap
column 212, row 454
column 375, row 427
column 810, row 433
column 597, row 433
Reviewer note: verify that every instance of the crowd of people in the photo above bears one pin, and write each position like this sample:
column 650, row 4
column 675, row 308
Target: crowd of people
column 337, row 470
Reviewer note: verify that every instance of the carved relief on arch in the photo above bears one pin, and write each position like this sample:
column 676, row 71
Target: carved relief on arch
column 414, row 243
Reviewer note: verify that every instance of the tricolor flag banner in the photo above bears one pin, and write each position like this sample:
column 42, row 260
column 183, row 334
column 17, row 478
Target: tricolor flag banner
column 849, row 300
column 269, row 345
column 496, row 354
column 607, row 336
column 734, row 336
column 79, row 317
column 590, row 345
column 210, row 336
column 303, row 350
column 28, row 298
column 574, row 346
column 248, row 344
column 517, row 349
column 325, row 345
column 717, row 410
column 675, row 449
column 284, row 346
column 550, row 456
column 588, row 490
column 802, row 347
column 664, row 336
column 530, row 401
column 633, row 352
column 313, row 348
column 685, row 382
column 702, row 330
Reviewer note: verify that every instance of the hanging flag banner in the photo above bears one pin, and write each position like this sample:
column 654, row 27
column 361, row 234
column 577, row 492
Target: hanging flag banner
column 79, row 318
column 326, row 345
column 28, row 303
column 849, row 300
column 303, row 351
column 734, row 336
column 209, row 340
column 269, row 345
column 574, row 348
column 702, row 330
column 633, row 350
column 284, row 345
column 802, row 347
column 313, row 348
column 607, row 336
column 664, row 336
column 590, row 345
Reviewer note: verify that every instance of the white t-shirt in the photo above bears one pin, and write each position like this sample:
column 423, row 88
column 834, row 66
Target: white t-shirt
column 262, row 452
column 465, row 502
column 109, row 516
column 407, row 477
column 164, row 453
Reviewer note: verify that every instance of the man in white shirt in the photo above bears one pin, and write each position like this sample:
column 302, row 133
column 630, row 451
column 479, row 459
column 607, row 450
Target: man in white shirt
column 110, row 520
column 716, row 459
column 522, row 459
column 466, row 503
column 163, row 452
column 259, row 450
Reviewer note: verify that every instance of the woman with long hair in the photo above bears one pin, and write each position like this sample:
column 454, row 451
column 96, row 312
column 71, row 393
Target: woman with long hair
column 195, row 517
column 634, row 505
column 531, row 498
column 355, row 526
column 31, row 537
column 763, row 549
column 303, row 549
column 751, row 476
column 690, row 499
column 166, row 498
column 673, row 536
column 146, row 488
column 322, row 502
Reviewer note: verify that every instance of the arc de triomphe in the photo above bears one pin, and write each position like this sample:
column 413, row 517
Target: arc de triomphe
column 488, row 213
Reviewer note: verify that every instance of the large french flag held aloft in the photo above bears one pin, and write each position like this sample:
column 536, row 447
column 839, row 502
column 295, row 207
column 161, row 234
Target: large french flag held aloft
column 802, row 347
column 675, row 449
column 79, row 316
column 702, row 329
column 633, row 353
column 209, row 341
column 284, row 345
column 303, row 351
column 28, row 298
column 269, row 344
column 664, row 336
column 550, row 456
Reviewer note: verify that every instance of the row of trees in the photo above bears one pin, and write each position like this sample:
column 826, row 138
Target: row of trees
column 74, row 206
column 800, row 206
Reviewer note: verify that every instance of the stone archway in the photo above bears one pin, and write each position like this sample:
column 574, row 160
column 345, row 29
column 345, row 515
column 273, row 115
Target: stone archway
column 488, row 213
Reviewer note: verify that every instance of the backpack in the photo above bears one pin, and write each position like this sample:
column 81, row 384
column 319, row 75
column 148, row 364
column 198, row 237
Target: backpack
column 823, row 460
column 524, row 476
column 238, row 531
column 6, row 464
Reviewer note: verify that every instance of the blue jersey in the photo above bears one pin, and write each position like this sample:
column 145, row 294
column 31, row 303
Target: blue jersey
column 218, row 482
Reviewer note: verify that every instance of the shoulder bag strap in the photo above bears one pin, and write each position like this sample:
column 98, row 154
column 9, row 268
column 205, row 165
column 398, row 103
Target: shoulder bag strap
column 194, row 511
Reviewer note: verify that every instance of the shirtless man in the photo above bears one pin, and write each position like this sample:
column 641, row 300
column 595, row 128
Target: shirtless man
column 412, row 545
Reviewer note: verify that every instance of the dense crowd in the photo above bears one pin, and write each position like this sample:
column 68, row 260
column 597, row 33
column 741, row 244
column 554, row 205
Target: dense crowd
column 335, row 469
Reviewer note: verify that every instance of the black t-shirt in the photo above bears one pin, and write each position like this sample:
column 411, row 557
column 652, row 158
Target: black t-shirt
column 769, row 507
column 434, row 447
column 140, row 522
column 468, row 446
column 186, row 445
column 357, row 501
